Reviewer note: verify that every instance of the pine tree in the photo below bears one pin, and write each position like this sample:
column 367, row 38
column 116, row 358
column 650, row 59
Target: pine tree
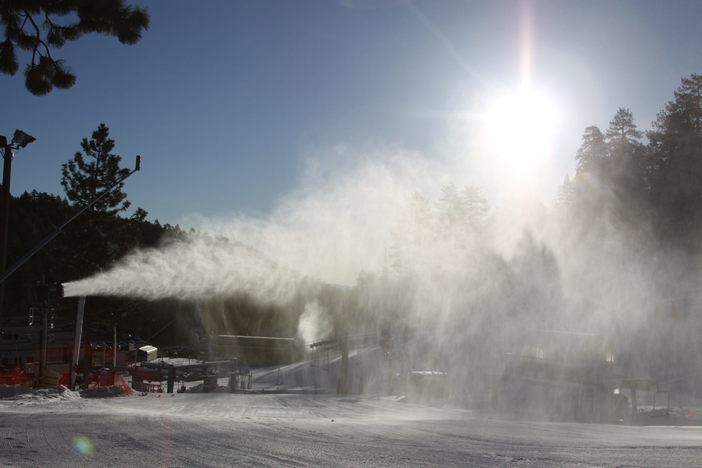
column 590, row 194
column 676, row 161
column 592, row 151
column 627, row 167
column 463, row 209
column 31, row 26
column 139, row 215
column 622, row 127
column 84, row 180
column 564, row 194
column 476, row 206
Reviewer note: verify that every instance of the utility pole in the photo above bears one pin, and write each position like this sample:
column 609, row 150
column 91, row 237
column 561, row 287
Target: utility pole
column 45, row 297
column 19, row 140
column 6, row 172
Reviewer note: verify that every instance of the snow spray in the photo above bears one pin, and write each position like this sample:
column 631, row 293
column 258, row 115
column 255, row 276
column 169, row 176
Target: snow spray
column 391, row 253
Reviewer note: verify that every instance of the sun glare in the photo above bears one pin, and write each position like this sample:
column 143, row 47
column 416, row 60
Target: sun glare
column 520, row 128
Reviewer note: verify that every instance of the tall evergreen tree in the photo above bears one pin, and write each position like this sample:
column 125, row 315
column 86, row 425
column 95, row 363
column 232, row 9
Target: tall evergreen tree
column 592, row 151
column 676, row 156
column 601, row 191
column 627, row 169
column 463, row 209
column 33, row 26
column 622, row 127
column 564, row 194
column 476, row 206
column 84, row 180
column 585, row 189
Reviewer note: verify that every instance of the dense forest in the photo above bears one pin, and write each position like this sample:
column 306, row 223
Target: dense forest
column 651, row 186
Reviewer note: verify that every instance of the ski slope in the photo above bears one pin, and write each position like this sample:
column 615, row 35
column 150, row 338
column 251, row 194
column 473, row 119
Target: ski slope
column 210, row 430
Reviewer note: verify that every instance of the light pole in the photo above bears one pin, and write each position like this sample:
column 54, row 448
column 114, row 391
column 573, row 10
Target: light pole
column 19, row 140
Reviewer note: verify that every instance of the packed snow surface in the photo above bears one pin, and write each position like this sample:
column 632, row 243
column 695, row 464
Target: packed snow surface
column 199, row 430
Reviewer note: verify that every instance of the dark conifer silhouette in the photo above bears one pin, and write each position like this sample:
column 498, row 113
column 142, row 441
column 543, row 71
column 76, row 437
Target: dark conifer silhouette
column 626, row 169
column 592, row 151
column 622, row 128
column 676, row 161
column 655, row 187
column 84, row 180
column 139, row 214
column 31, row 25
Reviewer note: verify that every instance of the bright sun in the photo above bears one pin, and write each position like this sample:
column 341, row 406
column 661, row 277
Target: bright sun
column 520, row 128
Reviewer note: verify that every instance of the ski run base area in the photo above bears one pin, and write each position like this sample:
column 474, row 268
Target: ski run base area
column 211, row 430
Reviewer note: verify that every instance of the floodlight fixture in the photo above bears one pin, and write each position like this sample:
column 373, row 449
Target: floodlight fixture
column 22, row 139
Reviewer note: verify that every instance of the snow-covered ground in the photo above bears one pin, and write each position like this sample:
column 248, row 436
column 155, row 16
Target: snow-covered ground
column 191, row 430
column 60, row 428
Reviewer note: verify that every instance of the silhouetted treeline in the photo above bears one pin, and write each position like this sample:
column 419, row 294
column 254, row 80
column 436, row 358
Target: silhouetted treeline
column 649, row 182
column 93, row 242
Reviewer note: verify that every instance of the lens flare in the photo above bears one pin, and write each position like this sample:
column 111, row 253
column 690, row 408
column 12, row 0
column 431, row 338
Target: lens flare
column 83, row 445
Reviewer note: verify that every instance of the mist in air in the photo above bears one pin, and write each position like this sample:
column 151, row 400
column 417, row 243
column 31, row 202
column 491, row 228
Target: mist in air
column 395, row 246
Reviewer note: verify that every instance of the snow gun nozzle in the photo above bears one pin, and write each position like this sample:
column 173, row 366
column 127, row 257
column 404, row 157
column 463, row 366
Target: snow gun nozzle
column 47, row 293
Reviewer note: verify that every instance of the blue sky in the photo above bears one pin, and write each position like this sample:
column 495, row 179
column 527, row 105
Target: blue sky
column 227, row 100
